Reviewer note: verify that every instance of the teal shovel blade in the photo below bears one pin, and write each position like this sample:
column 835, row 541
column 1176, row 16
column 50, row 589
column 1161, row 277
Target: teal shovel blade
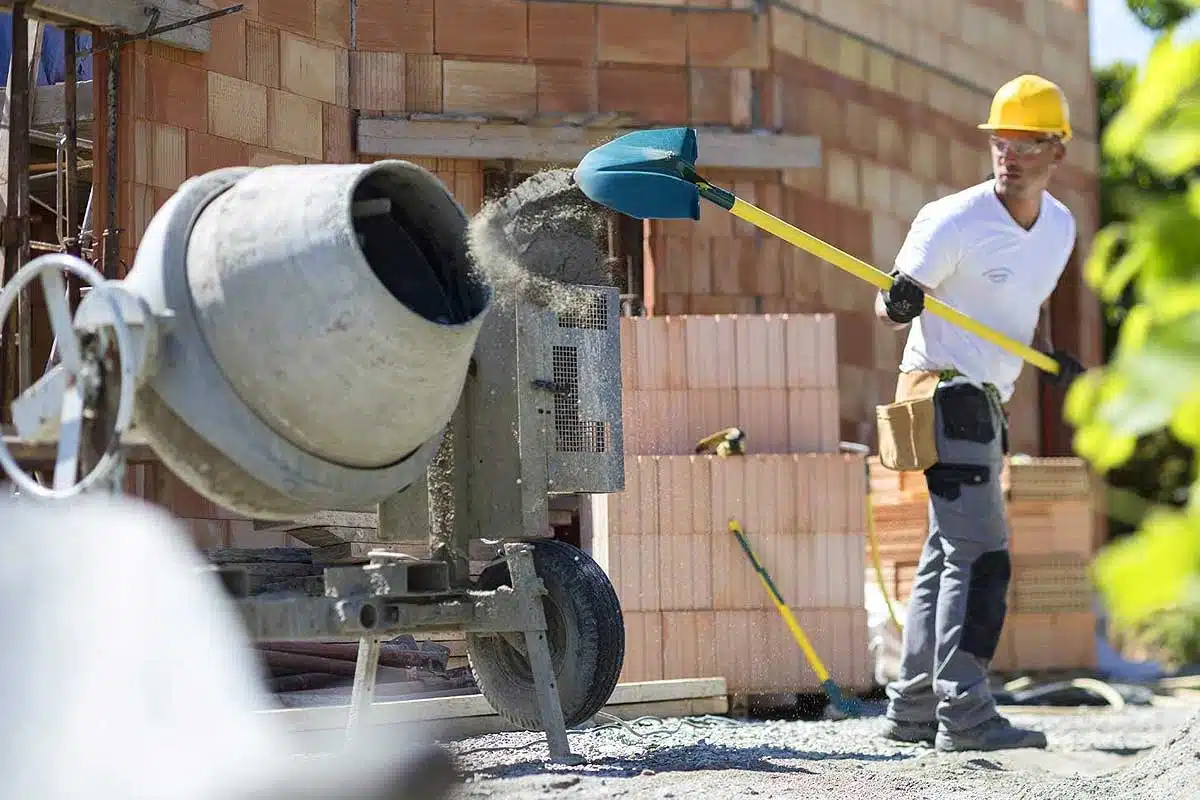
column 641, row 174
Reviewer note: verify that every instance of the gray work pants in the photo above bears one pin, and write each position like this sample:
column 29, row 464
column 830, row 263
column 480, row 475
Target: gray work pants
column 958, row 600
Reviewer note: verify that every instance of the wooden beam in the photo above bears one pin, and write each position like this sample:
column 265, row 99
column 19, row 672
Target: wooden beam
column 50, row 107
column 568, row 144
column 128, row 17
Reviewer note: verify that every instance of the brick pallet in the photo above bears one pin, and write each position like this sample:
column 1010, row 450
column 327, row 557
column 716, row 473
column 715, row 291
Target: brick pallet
column 1051, row 622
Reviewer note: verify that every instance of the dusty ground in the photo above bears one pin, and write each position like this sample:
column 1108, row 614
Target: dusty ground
column 1092, row 754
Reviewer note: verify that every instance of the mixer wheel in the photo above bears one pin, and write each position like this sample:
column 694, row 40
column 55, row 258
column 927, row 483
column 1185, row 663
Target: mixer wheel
column 585, row 631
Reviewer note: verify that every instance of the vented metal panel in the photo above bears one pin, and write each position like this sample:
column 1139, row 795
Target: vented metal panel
column 572, row 434
column 593, row 316
column 586, row 451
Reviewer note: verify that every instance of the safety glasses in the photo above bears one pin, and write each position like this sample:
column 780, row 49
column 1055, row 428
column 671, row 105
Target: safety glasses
column 1021, row 147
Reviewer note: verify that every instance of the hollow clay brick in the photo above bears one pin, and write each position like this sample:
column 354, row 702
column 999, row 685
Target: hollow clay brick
column 727, row 40
column 562, row 32
column 228, row 51
column 638, row 35
column 482, row 28
column 654, row 95
column 423, row 82
column 398, row 25
column 489, row 87
column 295, row 124
column 295, row 16
column 206, row 152
column 237, row 109
column 308, row 67
column 566, row 89
column 379, row 81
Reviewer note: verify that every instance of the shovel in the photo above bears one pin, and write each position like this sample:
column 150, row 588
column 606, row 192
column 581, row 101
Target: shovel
column 847, row 706
column 652, row 175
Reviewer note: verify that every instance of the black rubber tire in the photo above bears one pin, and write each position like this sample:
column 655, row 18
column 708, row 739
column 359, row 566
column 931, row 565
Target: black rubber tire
column 586, row 632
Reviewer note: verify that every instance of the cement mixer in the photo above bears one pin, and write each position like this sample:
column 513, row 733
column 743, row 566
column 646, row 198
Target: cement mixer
column 298, row 343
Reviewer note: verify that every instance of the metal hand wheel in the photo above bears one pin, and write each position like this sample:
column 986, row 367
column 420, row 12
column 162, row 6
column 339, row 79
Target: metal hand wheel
column 81, row 366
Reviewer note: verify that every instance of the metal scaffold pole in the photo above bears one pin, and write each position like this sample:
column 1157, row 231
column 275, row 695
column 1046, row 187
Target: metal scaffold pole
column 14, row 231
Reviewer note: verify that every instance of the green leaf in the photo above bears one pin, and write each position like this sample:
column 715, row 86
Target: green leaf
column 1169, row 73
column 1185, row 425
column 1152, row 570
column 1083, row 397
column 1173, row 150
column 1104, row 249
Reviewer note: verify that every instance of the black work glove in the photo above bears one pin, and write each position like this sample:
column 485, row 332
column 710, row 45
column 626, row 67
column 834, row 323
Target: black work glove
column 905, row 300
column 1069, row 369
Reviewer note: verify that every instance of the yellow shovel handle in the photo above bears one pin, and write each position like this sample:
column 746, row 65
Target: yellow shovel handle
column 861, row 269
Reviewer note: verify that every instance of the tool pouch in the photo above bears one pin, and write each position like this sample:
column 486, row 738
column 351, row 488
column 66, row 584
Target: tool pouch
column 907, row 438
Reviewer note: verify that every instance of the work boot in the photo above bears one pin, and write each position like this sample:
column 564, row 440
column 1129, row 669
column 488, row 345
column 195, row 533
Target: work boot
column 995, row 734
column 909, row 732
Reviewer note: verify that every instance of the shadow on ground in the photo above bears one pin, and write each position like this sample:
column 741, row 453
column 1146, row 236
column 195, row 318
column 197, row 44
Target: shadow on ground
column 688, row 758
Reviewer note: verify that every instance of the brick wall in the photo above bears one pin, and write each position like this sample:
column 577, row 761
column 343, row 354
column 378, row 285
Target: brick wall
column 893, row 88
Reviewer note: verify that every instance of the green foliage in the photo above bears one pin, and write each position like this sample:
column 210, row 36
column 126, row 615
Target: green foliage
column 1160, row 15
column 1149, row 252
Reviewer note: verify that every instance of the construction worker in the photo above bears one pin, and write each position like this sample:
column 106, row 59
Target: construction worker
column 994, row 251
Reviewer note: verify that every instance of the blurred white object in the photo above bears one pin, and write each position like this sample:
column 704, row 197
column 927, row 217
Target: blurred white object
column 885, row 640
column 126, row 673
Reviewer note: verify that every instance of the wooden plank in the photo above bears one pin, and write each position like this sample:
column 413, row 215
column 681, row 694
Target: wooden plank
column 380, row 136
column 129, row 17
column 474, row 705
column 333, row 739
column 43, row 454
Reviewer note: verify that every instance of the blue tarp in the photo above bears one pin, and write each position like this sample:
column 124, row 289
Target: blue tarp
column 52, row 68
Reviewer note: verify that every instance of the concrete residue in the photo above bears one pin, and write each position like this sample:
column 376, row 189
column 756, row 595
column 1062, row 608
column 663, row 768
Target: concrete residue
column 540, row 241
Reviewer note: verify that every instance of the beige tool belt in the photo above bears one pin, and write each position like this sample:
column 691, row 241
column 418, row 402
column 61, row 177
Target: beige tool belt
column 907, row 440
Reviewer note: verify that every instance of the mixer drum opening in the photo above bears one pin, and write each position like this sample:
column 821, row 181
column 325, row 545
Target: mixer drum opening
column 406, row 245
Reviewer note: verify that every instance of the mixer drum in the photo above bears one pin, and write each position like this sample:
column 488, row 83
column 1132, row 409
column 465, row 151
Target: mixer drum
column 337, row 307
column 334, row 311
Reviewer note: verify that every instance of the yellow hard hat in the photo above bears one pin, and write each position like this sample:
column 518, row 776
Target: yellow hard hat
column 1030, row 103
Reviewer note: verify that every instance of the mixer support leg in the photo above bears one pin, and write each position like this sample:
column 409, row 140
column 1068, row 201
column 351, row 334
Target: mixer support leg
column 363, row 693
column 524, row 578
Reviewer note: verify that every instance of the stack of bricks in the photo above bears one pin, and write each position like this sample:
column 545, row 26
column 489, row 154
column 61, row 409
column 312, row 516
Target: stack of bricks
column 1051, row 622
column 693, row 603
column 774, row 376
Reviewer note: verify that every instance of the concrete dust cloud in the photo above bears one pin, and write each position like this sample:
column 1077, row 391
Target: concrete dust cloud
column 540, row 241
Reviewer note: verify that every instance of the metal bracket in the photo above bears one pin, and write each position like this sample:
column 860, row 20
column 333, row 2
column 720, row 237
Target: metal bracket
column 394, row 594
column 528, row 586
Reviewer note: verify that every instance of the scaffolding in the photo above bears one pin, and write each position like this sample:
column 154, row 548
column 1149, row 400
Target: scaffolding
column 59, row 117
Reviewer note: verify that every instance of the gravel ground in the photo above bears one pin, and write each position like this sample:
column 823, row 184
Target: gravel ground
column 1092, row 754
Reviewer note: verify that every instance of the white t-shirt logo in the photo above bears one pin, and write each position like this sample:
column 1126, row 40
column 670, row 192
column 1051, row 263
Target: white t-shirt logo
column 998, row 274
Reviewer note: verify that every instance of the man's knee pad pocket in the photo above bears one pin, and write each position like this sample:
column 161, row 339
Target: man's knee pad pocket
column 946, row 480
column 966, row 413
column 987, row 604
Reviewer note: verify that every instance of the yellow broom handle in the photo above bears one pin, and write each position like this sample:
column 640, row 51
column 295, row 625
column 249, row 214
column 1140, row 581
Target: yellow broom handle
column 861, row 269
